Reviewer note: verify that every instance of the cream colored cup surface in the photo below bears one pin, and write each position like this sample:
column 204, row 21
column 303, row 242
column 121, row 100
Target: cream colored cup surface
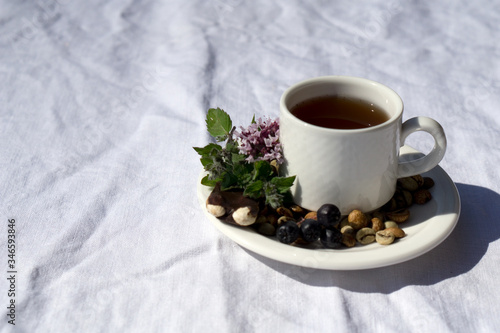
column 353, row 169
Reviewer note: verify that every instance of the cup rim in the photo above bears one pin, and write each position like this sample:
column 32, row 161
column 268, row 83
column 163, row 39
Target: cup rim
column 339, row 79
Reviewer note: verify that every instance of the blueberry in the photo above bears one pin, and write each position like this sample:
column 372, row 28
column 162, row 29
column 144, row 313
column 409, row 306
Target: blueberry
column 310, row 230
column 328, row 215
column 288, row 232
column 331, row 238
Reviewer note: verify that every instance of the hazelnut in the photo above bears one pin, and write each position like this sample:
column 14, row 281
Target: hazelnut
column 343, row 222
column 390, row 224
column 216, row 210
column 357, row 219
column 273, row 219
column 384, row 237
column 399, row 216
column 365, row 236
column 419, row 179
column 408, row 183
column 377, row 224
column 244, row 216
column 266, row 229
column 378, row 214
column 347, row 229
column 348, row 240
column 311, row 215
column 428, row 183
column 284, row 219
column 297, row 209
column 408, row 197
column 282, row 211
column 397, row 232
column 422, row 196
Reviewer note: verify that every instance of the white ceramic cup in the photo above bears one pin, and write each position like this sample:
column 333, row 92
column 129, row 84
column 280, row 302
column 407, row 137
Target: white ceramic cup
column 353, row 168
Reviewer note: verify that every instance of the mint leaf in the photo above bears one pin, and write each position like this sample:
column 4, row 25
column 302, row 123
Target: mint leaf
column 209, row 150
column 229, row 181
column 254, row 190
column 219, row 124
column 263, row 170
column 273, row 198
column 208, row 182
column 282, row 184
column 237, row 158
column 211, row 159
column 243, row 171
column 253, row 120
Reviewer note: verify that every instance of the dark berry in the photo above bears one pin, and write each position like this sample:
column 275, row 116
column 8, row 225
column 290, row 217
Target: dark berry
column 328, row 215
column 288, row 232
column 331, row 238
column 310, row 230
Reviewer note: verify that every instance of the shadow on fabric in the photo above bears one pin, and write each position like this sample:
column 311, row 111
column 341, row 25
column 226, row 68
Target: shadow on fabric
column 477, row 227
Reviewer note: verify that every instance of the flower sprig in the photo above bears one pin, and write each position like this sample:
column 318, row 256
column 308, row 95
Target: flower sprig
column 249, row 160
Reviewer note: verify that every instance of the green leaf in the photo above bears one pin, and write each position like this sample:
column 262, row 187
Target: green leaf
column 208, row 150
column 229, row 181
column 207, row 182
column 206, row 161
column 254, row 190
column 283, row 184
column 243, row 171
column 219, row 124
column 237, row 158
column 263, row 170
column 253, row 120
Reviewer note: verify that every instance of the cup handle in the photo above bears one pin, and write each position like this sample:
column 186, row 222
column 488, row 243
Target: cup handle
column 429, row 161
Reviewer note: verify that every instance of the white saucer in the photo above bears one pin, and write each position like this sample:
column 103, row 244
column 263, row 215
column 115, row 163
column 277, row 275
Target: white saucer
column 428, row 226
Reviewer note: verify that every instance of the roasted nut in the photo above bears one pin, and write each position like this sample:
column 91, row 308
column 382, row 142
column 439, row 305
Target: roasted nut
column 343, row 222
column 400, row 199
column 419, row 179
column 216, row 210
column 408, row 183
column 347, row 229
column 397, row 232
column 266, row 229
column 283, row 219
column 283, row 211
column 244, row 216
column 297, row 209
column 379, row 215
column 377, row 224
column 357, row 219
column 422, row 196
column 399, row 216
column 390, row 224
column 348, row 240
column 311, row 215
column 428, row 183
column 273, row 219
column 391, row 205
column 408, row 197
column 384, row 237
column 365, row 236
column 261, row 219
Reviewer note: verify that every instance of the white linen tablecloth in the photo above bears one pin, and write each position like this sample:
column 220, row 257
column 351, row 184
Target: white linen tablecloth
column 101, row 103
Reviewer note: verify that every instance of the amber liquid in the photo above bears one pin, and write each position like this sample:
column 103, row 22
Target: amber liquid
column 339, row 113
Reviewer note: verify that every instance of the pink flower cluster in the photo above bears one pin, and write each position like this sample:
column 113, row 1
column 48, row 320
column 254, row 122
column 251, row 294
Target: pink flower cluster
column 260, row 141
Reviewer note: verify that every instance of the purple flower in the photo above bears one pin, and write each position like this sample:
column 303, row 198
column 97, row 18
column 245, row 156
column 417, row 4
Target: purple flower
column 260, row 141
